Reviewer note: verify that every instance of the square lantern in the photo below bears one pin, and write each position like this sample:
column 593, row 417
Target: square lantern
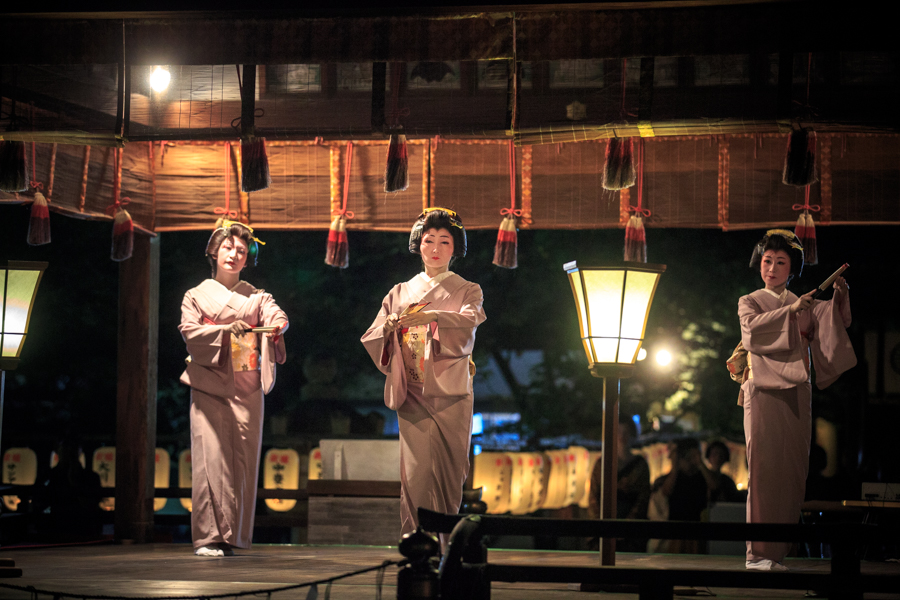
column 613, row 303
column 19, row 282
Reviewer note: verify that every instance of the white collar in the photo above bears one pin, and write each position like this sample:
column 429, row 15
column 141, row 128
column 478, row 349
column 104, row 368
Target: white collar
column 433, row 281
column 782, row 296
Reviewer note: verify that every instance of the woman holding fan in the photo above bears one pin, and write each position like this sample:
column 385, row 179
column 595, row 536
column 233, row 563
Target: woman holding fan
column 422, row 339
column 779, row 331
column 230, row 367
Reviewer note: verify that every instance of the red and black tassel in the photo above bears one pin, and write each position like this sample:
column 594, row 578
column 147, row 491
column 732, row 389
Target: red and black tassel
column 806, row 232
column 506, row 250
column 800, row 158
column 635, row 239
column 618, row 169
column 396, row 172
column 123, row 236
column 337, row 252
column 39, row 222
column 254, row 165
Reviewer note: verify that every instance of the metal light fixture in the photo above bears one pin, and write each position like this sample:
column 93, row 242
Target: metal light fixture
column 613, row 304
column 19, row 282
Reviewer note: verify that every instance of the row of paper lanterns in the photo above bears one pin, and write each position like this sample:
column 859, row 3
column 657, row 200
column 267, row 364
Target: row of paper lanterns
column 523, row 482
column 281, row 470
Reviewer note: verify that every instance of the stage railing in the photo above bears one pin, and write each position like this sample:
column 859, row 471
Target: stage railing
column 466, row 572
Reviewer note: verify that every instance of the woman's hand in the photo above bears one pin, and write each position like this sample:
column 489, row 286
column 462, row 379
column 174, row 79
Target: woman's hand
column 279, row 331
column 803, row 302
column 840, row 285
column 420, row 318
column 390, row 324
column 238, row 328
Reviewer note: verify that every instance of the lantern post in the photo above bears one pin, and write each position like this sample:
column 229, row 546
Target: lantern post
column 19, row 282
column 613, row 304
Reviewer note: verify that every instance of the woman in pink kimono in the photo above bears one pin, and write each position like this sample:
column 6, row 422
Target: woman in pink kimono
column 229, row 369
column 422, row 339
column 780, row 330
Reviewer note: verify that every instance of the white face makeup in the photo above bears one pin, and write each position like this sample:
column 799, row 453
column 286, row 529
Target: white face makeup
column 775, row 269
column 232, row 256
column 436, row 248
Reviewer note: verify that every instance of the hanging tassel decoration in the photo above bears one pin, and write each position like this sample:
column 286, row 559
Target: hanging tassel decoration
column 123, row 233
column 618, row 170
column 396, row 173
column 337, row 250
column 806, row 230
column 123, row 226
column 635, row 234
column 39, row 222
column 254, row 165
column 800, row 159
column 506, row 249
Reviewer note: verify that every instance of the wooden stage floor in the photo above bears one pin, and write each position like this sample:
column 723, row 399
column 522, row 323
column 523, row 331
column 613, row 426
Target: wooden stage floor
column 171, row 570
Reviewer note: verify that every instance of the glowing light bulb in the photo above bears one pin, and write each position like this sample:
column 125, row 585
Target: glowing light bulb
column 159, row 79
column 663, row 358
column 642, row 354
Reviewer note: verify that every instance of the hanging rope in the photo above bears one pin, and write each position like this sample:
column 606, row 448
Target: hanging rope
column 347, row 214
column 639, row 209
column 118, row 202
column 512, row 211
column 396, row 112
column 807, row 206
column 226, row 212
column 36, row 185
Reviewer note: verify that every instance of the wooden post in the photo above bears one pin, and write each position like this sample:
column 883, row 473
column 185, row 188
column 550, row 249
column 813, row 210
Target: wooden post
column 609, row 465
column 136, row 391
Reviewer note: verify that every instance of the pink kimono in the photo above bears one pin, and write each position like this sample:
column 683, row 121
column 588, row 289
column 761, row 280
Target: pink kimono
column 435, row 414
column 777, row 399
column 228, row 377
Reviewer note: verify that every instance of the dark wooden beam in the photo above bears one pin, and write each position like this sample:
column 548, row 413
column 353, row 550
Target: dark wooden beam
column 136, row 390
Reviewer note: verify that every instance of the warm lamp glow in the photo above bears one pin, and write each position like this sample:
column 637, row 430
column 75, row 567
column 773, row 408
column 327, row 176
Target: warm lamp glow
column 159, row 79
column 18, row 284
column 642, row 354
column 663, row 358
column 613, row 304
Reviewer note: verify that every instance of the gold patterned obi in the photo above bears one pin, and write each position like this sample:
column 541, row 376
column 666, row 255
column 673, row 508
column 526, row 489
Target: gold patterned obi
column 245, row 352
column 413, row 351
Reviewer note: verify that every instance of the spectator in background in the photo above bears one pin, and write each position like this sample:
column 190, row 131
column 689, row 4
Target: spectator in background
column 723, row 488
column 681, row 494
column 633, row 489
column 73, row 495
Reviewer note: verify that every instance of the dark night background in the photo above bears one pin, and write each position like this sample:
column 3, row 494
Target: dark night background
column 67, row 373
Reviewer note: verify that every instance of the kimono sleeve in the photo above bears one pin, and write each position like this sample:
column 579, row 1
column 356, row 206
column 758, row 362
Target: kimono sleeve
column 270, row 314
column 208, row 345
column 766, row 332
column 378, row 346
column 831, row 350
column 456, row 329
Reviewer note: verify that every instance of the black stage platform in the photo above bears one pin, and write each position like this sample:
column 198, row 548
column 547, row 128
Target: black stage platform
column 157, row 570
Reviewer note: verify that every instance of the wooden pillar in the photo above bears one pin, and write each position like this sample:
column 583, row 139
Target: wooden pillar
column 136, row 391
column 609, row 465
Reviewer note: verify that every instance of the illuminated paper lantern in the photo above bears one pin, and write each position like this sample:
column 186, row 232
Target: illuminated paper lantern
column 592, row 459
column 736, row 468
column 521, row 483
column 19, row 468
column 104, row 465
column 281, row 471
column 539, row 485
column 184, row 476
column 315, row 464
column 558, row 481
column 657, row 457
column 161, row 476
column 493, row 472
column 19, row 282
column 579, row 457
